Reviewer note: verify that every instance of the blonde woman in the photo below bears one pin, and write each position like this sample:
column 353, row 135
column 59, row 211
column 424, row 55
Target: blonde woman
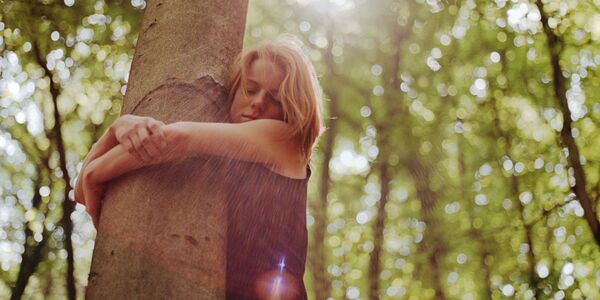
column 274, row 123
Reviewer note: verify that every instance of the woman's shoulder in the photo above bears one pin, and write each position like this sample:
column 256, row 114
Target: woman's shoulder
column 287, row 159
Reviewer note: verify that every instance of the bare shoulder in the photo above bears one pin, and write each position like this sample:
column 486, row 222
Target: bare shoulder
column 272, row 127
column 284, row 149
column 268, row 142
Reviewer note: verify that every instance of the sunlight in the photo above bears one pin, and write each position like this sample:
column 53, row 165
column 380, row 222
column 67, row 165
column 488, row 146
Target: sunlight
column 330, row 5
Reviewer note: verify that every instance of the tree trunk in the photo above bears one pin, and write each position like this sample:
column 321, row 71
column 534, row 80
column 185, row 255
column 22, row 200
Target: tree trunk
column 318, row 260
column 560, row 93
column 32, row 256
column 68, row 206
column 514, row 193
column 378, row 227
column 433, row 245
column 474, row 232
column 162, row 231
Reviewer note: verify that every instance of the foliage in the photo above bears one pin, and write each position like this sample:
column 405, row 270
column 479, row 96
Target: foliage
column 454, row 100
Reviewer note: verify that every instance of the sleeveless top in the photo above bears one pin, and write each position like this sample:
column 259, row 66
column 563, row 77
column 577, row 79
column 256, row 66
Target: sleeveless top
column 266, row 235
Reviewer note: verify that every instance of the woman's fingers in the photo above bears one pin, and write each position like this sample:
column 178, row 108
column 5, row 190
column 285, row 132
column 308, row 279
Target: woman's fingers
column 148, row 144
column 138, row 147
column 93, row 205
column 130, row 147
column 79, row 198
column 78, row 189
column 128, row 143
column 94, row 213
column 145, row 138
column 158, row 134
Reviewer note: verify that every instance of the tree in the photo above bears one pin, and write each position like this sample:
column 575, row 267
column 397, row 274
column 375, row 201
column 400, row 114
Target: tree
column 32, row 39
column 162, row 229
column 559, row 86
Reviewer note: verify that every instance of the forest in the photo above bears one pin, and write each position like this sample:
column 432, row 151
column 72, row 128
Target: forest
column 460, row 158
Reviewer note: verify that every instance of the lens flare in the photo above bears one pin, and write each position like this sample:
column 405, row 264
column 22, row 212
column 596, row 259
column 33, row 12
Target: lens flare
column 277, row 284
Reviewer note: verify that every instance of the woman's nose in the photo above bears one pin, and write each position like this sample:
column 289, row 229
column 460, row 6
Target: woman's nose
column 258, row 100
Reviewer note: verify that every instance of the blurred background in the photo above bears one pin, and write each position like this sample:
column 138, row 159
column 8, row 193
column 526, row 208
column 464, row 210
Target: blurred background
column 461, row 159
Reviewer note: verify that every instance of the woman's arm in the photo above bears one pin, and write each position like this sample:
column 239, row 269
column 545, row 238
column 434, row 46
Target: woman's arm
column 259, row 140
column 114, row 163
column 265, row 141
column 105, row 143
column 127, row 130
column 119, row 160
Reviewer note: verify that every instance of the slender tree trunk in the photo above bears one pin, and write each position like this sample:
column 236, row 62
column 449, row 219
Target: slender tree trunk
column 379, row 226
column 391, row 82
column 318, row 256
column 515, row 192
column 162, row 230
column 533, row 279
column 560, row 92
column 474, row 232
column 32, row 256
column 418, row 167
column 67, row 205
column 33, row 251
column 432, row 245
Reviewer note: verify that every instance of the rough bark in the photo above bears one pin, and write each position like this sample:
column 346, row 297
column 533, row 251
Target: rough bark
column 560, row 93
column 162, row 230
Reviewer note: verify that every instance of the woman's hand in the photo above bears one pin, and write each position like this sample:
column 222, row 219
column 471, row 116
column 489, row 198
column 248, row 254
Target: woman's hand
column 79, row 188
column 143, row 137
column 93, row 192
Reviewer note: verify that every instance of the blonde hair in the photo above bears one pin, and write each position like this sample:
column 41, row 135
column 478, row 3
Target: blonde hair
column 300, row 93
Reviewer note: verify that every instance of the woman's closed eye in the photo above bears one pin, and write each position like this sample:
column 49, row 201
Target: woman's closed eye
column 274, row 100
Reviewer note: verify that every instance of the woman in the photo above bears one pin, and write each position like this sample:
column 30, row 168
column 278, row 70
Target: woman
column 275, row 121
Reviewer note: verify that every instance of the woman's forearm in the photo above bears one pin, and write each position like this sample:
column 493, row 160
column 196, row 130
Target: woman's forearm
column 112, row 164
column 118, row 160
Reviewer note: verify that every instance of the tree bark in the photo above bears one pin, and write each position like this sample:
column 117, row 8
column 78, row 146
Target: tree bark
column 560, row 93
column 162, row 230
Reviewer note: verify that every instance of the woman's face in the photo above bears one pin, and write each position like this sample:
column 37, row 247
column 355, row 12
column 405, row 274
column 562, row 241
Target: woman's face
column 260, row 101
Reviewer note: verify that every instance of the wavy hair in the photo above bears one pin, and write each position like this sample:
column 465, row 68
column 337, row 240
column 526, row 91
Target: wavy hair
column 300, row 92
